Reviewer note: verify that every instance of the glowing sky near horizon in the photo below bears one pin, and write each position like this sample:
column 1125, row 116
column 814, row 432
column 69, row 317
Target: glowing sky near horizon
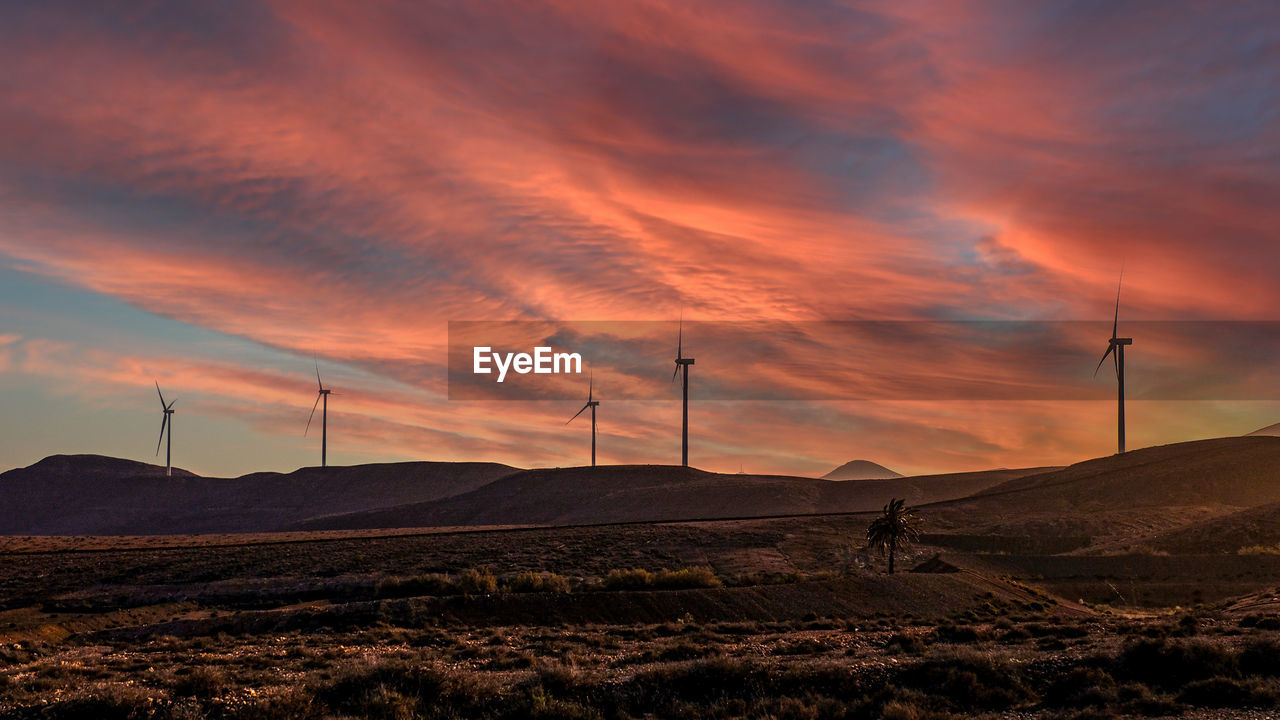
column 210, row 195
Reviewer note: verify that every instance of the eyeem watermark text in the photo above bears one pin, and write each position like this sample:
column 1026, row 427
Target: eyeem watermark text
column 543, row 361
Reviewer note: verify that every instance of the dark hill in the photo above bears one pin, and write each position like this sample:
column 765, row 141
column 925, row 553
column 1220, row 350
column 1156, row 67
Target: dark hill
column 86, row 467
column 1268, row 431
column 622, row 493
column 1140, row 493
column 86, row 495
column 1257, row 527
column 1237, row 471
column 861, row 470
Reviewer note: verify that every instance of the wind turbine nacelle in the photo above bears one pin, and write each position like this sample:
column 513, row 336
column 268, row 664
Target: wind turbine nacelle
column 684, row 361
column 1121, row 341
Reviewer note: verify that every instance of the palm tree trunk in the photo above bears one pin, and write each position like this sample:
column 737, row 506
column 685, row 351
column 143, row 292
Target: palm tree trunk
column 893, row 548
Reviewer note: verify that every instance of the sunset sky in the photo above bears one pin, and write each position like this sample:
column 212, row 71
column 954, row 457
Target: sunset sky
column 212, row 194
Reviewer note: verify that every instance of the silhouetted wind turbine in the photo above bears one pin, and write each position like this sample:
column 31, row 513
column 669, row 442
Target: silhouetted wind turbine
column 166, row 423
column 1115, row 348
column 324, row 418
column 593, row 404
column 682, row 369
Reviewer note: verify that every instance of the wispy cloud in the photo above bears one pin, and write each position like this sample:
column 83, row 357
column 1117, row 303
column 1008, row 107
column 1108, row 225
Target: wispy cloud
column 341, row 179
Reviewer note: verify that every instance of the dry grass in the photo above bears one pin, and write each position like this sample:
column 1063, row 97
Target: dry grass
column 663, row 579
column 827, row 667
column 709, row 620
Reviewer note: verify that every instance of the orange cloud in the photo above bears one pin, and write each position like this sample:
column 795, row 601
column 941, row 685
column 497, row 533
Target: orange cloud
column 343, row 180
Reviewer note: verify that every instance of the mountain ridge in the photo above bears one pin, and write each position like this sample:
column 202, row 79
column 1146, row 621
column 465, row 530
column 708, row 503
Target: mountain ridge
column 99, row 495
column 1268, row 431
column 627, row 493
column 861, row 470
column 103, row 466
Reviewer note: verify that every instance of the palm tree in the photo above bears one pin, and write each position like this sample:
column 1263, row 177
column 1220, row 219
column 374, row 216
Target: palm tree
column 898, row 524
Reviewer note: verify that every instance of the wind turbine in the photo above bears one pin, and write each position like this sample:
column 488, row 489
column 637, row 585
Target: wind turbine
column 324, row 418
column 682, row 369
column 166, row 423
column 593, row 404
column 1115, row 348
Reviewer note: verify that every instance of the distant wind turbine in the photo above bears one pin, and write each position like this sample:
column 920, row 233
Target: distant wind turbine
column 323, row 393
column 682, row 369
column 1115, row 348
column 593, row 404
column 166, row 424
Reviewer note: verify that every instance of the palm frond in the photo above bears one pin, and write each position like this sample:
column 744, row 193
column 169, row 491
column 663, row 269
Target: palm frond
column 896, row 521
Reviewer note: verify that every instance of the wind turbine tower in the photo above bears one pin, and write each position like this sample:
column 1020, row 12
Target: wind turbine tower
column 1115, row 349
column 166, row 424
column 322, row 394
column 682, row 369
column 593, row 404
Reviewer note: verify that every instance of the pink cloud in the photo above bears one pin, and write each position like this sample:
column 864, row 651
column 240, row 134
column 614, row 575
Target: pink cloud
column 343, row 180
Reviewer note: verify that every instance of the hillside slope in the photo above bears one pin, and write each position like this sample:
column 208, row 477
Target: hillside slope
column 1235, row 471
column 1268, row 431
column 1257, row 526
column 1140, row 493
column 89, row 494
column 88, row 467
column 622, row 493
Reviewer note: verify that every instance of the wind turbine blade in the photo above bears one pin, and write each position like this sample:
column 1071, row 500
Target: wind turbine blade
column 312, row 415
column 1115, row 356
column 591, row 384
column 1110, row 350
column 677, row 372
column 163, row 422
column 680, row 337
column 319, row 383
column 1115, row 324
column 162, row 403
column 575, row 415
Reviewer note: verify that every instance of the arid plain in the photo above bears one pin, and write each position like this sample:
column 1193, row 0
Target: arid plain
column 1146, row 584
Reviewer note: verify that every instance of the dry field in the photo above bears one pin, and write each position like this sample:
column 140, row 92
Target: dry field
column 1136, row 585
column 777, row 618
column 1004, row 662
